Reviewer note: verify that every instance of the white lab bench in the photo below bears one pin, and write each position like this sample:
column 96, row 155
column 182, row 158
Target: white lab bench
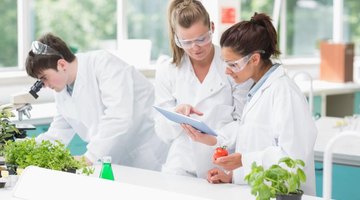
column 160, row 183
column 346, row 152
column 337, row 99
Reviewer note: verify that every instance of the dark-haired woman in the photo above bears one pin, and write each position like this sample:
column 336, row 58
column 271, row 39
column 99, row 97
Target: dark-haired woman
column 276, row 121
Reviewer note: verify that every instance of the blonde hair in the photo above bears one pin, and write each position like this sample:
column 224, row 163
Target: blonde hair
column 184, row 13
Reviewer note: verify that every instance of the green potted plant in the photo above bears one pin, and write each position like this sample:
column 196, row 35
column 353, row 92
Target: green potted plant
column 281, row 180
column 8, row 131
column 56, row 156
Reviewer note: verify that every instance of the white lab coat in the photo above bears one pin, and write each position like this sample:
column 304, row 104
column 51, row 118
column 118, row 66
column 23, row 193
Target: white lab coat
column 275, row 123
column 110, row 109
column 218, row 97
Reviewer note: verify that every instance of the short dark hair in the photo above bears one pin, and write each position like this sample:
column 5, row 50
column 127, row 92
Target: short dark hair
column 246, row 37
column 36, row 63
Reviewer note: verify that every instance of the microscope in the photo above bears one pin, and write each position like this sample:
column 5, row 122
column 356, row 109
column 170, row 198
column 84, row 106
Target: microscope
column 22, row 103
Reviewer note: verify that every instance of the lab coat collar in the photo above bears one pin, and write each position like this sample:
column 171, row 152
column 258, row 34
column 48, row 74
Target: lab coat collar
column 79, row 80
column 81, row 72
column 278, row 73
column 213, row 81
column 260, row 82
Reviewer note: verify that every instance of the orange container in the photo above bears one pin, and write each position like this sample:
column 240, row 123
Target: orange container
column 337, row 60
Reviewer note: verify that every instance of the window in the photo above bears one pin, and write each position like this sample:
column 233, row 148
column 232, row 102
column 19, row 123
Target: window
column 249, row 7
column 8, row 32
column 351, row 23
column 148, row 20
column 91, row 24
column 307, row 23
column 83, row 25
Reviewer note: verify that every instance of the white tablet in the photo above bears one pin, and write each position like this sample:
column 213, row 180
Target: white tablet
column 183, row 119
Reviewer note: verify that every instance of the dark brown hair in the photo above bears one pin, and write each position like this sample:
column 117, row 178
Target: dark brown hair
column 184, row 13
column 246, row 37
column 36, row 63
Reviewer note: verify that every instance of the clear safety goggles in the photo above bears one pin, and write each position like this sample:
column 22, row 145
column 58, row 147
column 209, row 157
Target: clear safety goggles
column 39, row 48
column 238, row 65
column 200, row 41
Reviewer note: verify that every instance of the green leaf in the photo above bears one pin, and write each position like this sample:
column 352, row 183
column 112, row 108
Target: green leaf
column 88, row 170
column 266, row 183
column 288, row 161
column 301, row 175
column 292, row 184
column 264, row 192
column 300, row 162
column 255, row 190
column 7, row 135
column 282, row 189
column 280, row 172
column 284, row 160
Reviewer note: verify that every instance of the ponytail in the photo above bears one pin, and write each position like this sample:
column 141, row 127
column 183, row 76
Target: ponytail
column 248, row 36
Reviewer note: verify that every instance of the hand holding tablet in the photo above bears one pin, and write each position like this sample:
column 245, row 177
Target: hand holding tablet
column 183, row 119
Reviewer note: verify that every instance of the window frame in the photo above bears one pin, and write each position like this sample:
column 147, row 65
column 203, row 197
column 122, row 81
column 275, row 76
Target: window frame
column 24, row 26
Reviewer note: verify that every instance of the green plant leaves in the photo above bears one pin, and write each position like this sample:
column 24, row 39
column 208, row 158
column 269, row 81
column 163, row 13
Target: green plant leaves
column 267, row 183
column 7, row 130
column 45, row 154
column 88, row 170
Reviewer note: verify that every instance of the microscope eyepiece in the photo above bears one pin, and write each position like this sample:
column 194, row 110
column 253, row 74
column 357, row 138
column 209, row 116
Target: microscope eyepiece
column 36, row 88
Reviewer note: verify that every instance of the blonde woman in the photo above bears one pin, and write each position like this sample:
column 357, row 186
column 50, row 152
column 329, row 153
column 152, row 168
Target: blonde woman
column 193, row 83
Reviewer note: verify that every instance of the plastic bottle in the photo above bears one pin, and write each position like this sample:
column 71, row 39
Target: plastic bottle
column 106, row 170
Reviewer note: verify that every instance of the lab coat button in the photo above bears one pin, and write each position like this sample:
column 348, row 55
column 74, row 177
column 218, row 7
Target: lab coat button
column 211, row 90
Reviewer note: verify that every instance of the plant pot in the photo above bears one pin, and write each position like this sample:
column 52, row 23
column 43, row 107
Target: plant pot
column 291, row 196
column 2, row 184
column 11, row 168
column 21, row 135
column 71, row 171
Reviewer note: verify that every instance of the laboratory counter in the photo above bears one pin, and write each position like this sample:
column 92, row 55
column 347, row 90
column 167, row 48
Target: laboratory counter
column 332, row 99
column 131, row 183
column 346, row 152
column 328, row 88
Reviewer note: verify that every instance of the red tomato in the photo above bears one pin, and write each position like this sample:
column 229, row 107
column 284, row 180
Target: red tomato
column 220, row 152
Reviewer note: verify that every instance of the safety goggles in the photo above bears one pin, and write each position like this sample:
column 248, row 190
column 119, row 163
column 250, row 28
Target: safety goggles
column 240, row 64
column 39, row 48
column 200, row 41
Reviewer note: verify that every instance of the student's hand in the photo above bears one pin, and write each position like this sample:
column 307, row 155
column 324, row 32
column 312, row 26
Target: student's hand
column 217, row 175
column 187, row 110
column 197, row 136
column 88, row 162
column 229, row 162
